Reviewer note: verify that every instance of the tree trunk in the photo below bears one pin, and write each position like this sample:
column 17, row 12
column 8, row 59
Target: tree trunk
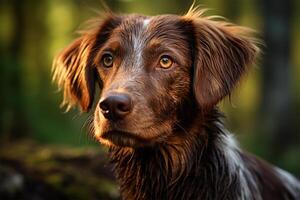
column 276, row 76
column 13, row 121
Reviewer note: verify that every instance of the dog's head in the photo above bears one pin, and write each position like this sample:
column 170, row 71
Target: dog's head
column 151, row 71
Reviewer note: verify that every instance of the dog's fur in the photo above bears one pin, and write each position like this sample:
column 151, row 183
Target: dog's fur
column 172, row 145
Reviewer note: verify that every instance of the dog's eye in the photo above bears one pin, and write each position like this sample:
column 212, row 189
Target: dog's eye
column 165, row 62
column 107, row 60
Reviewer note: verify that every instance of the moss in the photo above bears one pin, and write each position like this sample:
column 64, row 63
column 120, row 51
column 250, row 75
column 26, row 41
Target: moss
column 74, row 173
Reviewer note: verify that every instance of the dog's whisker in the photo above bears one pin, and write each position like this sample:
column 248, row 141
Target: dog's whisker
column 183, row 129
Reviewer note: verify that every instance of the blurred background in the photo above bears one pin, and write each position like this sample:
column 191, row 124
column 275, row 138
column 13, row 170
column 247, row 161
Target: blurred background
column 46, row 151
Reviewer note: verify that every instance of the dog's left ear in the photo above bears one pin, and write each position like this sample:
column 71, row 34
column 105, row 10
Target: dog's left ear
column 223, row 54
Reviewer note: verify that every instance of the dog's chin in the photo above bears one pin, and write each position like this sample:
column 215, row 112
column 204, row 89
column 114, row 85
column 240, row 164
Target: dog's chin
column 122, row 139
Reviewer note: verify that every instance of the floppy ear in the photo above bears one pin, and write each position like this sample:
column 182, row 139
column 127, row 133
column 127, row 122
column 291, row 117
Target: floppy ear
column 73, row 67
column 223, row 54
column 75, row 74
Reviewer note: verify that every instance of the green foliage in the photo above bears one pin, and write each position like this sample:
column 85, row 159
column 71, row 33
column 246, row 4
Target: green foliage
column 32, row 32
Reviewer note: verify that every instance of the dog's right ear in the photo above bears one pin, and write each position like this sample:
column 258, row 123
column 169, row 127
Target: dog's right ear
column 73, row 67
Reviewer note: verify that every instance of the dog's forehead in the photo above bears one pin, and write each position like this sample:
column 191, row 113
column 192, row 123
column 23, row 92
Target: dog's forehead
column 142, row 21
column 145, row 28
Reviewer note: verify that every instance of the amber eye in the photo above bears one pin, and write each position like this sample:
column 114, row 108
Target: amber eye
column 165, row 62
column 107, row 60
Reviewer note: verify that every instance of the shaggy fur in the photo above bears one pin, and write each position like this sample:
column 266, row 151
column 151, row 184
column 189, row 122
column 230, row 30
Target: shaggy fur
column 160, row 79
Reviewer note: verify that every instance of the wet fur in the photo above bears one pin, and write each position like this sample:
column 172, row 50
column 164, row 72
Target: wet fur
column 174, row 144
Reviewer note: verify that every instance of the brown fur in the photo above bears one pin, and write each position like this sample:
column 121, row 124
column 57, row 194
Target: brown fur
column 172, row 143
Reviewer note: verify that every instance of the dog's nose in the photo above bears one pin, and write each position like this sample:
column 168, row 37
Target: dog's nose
column 116, row 107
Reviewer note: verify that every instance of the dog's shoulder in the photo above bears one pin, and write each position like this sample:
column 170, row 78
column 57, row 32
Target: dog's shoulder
column 274, row 182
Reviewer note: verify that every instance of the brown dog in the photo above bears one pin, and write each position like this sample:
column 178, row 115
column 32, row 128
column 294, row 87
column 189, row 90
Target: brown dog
column 160, row 79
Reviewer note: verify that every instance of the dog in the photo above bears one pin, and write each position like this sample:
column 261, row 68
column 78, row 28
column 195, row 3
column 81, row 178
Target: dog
column 160, row 80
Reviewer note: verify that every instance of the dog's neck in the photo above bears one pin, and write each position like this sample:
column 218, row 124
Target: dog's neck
column 202, row 154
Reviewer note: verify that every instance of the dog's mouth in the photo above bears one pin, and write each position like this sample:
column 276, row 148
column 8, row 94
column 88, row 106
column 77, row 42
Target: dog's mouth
column 124, row 138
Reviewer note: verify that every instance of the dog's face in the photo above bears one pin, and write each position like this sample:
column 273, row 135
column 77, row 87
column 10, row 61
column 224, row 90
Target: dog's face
column 145, row 68
column 150, row 70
